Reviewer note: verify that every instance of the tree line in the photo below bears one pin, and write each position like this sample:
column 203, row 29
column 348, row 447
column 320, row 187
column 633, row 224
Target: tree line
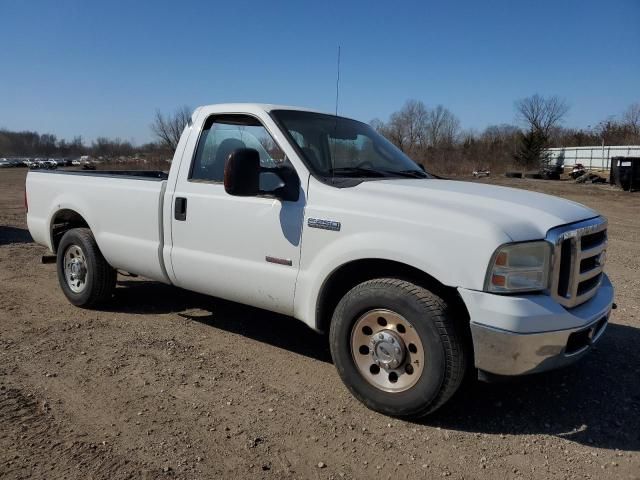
column 165, row 128
column 433, row 136
column 34, row 144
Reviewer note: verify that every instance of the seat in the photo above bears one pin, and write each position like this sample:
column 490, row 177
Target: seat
column 226, row 147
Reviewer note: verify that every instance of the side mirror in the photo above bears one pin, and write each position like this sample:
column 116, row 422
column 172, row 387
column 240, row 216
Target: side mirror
column 288, row 183
column 242, row 173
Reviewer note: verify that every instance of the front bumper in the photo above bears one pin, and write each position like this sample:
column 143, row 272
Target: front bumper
column 516, row 335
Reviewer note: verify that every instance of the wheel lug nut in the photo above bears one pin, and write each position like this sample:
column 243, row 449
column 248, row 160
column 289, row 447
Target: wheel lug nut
column 381, row 336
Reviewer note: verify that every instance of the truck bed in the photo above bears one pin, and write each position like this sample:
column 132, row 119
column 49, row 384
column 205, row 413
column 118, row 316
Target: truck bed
column 123, row 208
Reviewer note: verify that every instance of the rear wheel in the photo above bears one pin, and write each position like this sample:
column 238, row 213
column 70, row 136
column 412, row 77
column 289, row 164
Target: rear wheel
column 84, row 275
column 397, row 347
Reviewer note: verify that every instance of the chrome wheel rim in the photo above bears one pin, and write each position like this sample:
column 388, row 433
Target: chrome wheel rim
column 75, row 268
column 387, row 350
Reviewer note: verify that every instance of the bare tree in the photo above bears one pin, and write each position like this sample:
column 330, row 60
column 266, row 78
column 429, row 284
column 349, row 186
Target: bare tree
column 500, row 134
column 441, row 127
column 378, row 125
column 169, row 128
column 48, row 143
column 631, row 118
column 394, row 131
column 107, row 147
column 407, row 126
column 541, row 114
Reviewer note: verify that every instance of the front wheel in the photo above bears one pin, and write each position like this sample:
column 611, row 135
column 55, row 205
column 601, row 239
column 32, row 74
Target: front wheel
column 397, row 347
column 84, row 275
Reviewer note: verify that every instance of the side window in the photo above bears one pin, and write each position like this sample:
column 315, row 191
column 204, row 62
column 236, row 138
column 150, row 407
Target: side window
column 223, row 134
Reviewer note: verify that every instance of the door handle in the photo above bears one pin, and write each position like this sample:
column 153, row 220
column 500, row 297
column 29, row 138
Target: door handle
column 180, row 209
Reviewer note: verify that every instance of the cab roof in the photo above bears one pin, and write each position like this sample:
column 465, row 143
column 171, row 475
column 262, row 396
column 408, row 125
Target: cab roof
column 248, row 106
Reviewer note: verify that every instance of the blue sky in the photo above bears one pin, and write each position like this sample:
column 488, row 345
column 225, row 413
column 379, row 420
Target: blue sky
column 92, row 68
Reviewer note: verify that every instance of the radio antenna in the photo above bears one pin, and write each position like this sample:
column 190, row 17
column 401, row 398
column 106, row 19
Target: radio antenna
column 338, row 81
column 333, row 149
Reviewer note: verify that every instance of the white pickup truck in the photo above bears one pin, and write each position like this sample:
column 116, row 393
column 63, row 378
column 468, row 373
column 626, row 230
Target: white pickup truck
column 417, row 280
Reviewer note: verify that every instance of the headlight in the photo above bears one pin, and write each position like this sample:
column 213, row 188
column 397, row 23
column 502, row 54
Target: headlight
column 519, row 267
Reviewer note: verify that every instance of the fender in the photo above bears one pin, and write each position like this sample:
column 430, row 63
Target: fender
column 401, row 249
column 63, row 202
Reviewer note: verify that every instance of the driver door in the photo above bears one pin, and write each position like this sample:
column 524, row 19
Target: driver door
column 244, row 249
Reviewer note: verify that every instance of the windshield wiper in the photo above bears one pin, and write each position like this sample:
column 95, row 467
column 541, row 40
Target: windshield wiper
column 359, row 172
column 408, row 173
column 372, row 172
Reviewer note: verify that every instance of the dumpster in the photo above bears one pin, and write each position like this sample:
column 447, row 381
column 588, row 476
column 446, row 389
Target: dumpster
column 625, row 172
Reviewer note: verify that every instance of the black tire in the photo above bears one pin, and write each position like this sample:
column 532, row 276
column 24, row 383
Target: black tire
column 100, row 277
column 445, row 353
column 513, row 174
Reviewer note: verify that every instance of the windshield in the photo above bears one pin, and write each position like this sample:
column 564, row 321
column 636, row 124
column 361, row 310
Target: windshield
column 339, row 147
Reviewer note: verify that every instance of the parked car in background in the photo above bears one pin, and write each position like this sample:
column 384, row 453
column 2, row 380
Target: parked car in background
column 16, row 162
column 481, row 173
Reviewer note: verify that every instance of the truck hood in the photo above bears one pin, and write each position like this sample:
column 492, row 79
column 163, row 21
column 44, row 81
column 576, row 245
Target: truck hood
column 520, row 214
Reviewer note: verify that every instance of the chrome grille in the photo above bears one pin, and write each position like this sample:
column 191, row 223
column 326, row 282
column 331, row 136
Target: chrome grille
column 579, row 251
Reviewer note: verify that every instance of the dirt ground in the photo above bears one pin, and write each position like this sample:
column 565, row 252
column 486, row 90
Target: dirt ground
column 166, row 383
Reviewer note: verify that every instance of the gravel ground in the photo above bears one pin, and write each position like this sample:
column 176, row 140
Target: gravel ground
column 166, row 383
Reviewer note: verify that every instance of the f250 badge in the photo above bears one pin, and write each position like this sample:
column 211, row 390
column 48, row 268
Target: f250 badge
column 324, row 224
